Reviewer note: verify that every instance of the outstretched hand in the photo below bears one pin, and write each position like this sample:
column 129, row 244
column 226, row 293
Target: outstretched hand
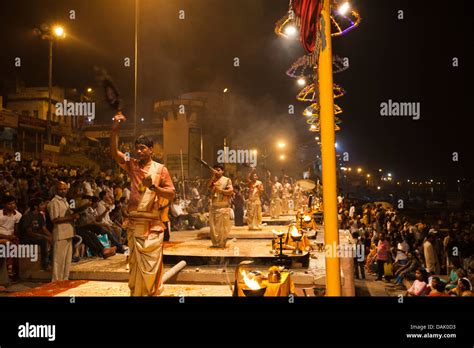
column 119, row 118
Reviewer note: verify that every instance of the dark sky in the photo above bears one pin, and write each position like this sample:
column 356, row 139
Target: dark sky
column 405, row 60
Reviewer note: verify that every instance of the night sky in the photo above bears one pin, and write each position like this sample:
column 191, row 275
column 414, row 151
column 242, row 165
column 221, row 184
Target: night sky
column 407, row 60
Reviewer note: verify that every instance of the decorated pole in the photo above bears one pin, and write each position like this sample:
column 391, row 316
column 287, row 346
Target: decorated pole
column 328, row 154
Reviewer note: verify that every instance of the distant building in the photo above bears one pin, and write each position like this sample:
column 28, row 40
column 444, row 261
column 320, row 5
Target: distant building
column 30, row 104
column 194, row 126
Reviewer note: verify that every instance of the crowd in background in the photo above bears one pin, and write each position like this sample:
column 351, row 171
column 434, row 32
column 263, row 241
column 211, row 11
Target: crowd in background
column 426, row 258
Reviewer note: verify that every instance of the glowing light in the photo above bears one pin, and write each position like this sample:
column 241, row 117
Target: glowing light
column 58, row 31
column 142, row 119
column 316, row 138
column 290, row 30
column 282, row 157
column 344, row 8
column 225, row 90
column 89, row 90
column 359, row 170
column 380, row 170
column 301, row 81
column 389, row 174
column 368, row 175
column 281, row 145
column 378, row 187
column 336, row 145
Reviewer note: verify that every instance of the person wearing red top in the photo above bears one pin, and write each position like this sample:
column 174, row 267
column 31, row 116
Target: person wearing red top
column 383, row 250
column 438, row 288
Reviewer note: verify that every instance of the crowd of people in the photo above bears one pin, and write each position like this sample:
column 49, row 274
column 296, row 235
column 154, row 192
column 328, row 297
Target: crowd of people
column 31, row 196
column 424, row 258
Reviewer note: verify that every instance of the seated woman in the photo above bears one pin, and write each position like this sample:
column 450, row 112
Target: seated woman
column 419, row 286
column 456, row 273
column 407, row 272
column 464, row 289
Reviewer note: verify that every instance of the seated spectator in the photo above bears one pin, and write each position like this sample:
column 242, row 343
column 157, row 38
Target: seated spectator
column 463, row 289
column 180, row 216
column 87, row 229
column 419, row 286
column 402, row 250
column 103, row 207
column 33, row 230
column 455, row 274
column 437, row 288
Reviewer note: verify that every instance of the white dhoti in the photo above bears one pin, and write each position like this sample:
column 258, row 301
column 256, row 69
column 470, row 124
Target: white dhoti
column 145, row 259
column 219, row 225
column 284, row 205
column 254, row 215
column 275, row 208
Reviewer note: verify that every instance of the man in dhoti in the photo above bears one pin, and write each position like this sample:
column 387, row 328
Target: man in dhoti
column 150, row 181
column 297, row 196
column 286, row 195
column 254, row 207
column 275, row 199
column 219, row 210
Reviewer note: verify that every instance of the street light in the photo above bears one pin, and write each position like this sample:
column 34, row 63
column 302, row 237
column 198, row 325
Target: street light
column 282, row 157
column 359, row 170
column 89, row 90
column 281, row 145
column 46, row 32
column 59, row 32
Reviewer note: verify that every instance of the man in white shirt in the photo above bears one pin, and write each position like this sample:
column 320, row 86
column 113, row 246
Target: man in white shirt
column 87, row 186
column 352, row 211
column 9, row 218
column 402, row 252
column 63, row 231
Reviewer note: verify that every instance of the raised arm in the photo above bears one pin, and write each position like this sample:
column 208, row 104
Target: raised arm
column 117, row 155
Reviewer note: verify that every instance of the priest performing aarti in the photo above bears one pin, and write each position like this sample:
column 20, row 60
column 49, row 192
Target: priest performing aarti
column 219, row 211
column 254, row 207
column 150, row 184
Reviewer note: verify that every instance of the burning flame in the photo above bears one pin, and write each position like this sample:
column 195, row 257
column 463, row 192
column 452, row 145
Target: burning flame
column 251, row 283
column 294, row 232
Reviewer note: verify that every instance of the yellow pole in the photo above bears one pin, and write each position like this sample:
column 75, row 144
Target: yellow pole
column 328, row 154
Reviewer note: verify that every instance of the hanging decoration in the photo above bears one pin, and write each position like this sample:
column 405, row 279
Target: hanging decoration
column 302, row 21
column 313, row 110
column 310, row 93
column 343, row 23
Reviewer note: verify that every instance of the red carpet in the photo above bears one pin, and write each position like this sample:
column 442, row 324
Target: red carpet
column 50, row 289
